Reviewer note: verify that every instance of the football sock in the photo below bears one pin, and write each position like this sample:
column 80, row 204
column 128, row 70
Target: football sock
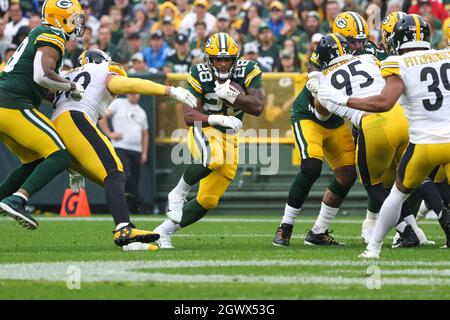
column 168, row 226
column 290, row 214
column 326, row 215
column 299, row 190
column 182, row 188
column 21, row 196
column 115, row 197
column 389, row 215
column 400, row 227
column 194, row 173
column 16, row 178
column 192, row 212
column 410, row 220
column 45, row 171
column 371, row 215
column 430, row 194
column 121, row 225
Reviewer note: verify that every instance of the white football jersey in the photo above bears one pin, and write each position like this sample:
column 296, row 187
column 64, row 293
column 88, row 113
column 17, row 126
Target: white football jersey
column 97, row 97
column 426, row 93
column 359, row 77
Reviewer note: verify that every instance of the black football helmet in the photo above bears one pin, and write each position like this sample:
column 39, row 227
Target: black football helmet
column 410, row 32
column 330, row 48
column 93, row 56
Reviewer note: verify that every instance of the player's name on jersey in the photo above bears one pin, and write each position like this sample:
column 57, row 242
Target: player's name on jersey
column 337, row 65
column 426, row 58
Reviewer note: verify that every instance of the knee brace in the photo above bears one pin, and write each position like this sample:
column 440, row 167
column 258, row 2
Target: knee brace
column 311, row 168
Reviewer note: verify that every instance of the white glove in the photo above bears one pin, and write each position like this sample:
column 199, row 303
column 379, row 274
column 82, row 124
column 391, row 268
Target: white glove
column 328, row 96
column 225, row 121
column 76, row 181
column 78, row 93
column 225, row 92
column 313, row 86
column 183, row 96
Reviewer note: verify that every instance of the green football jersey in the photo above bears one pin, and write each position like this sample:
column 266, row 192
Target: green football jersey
column 17, row 87
column 303, row 109
column 371, row 48
column 201, row 84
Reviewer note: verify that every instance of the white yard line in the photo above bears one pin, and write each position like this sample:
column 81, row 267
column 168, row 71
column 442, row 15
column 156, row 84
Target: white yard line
column 207, row 219
column 99, row 271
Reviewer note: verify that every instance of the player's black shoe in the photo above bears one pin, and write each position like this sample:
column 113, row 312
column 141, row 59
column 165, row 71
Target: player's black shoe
column 407, row 239
column 320, row 239
column 14, row 206
column 283, row 235
column 130, row 233
column 444, row 221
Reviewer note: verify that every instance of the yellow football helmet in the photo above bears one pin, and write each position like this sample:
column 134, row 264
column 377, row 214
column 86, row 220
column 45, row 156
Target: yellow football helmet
column 351, row 26
column 388, row 26
column 66, row 15
column 221, row 46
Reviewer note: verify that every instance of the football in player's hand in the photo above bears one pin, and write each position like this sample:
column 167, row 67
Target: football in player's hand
column 238, row 87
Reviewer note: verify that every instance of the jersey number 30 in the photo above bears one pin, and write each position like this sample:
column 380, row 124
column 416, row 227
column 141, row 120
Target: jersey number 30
column 434, row 86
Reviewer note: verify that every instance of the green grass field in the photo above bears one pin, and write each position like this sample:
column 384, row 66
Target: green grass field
column 220, row 257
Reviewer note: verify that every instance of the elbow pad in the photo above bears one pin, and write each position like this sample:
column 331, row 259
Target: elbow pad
column 41, row 79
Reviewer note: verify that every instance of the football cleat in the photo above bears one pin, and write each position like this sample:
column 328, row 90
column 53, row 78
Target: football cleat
column 283, row 235
column 369, row 254
column 320, row 239
column 14, row 206
column 407, row 239
column 175, row 206
column 444, row 221
column 367, row 229
column 139, row 246
column 130, row 233
column 165, row 239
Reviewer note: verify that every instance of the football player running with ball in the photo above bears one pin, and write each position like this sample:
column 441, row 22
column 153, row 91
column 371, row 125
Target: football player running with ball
column 27, row 78
column 420, row 75
column 93, row 156
column 213, row 132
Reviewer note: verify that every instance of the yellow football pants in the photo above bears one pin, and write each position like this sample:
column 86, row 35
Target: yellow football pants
column 28, row 134
column 220, row 153
column 382, row 139
column 314, row 141
column 93, row 156
column 419, row 160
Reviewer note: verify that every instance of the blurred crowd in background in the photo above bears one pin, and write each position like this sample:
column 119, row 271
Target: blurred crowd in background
column 169, row 36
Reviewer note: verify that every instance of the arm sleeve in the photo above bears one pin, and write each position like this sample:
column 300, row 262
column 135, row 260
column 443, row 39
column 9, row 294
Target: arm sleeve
column 41, row 79
column 124, row 85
